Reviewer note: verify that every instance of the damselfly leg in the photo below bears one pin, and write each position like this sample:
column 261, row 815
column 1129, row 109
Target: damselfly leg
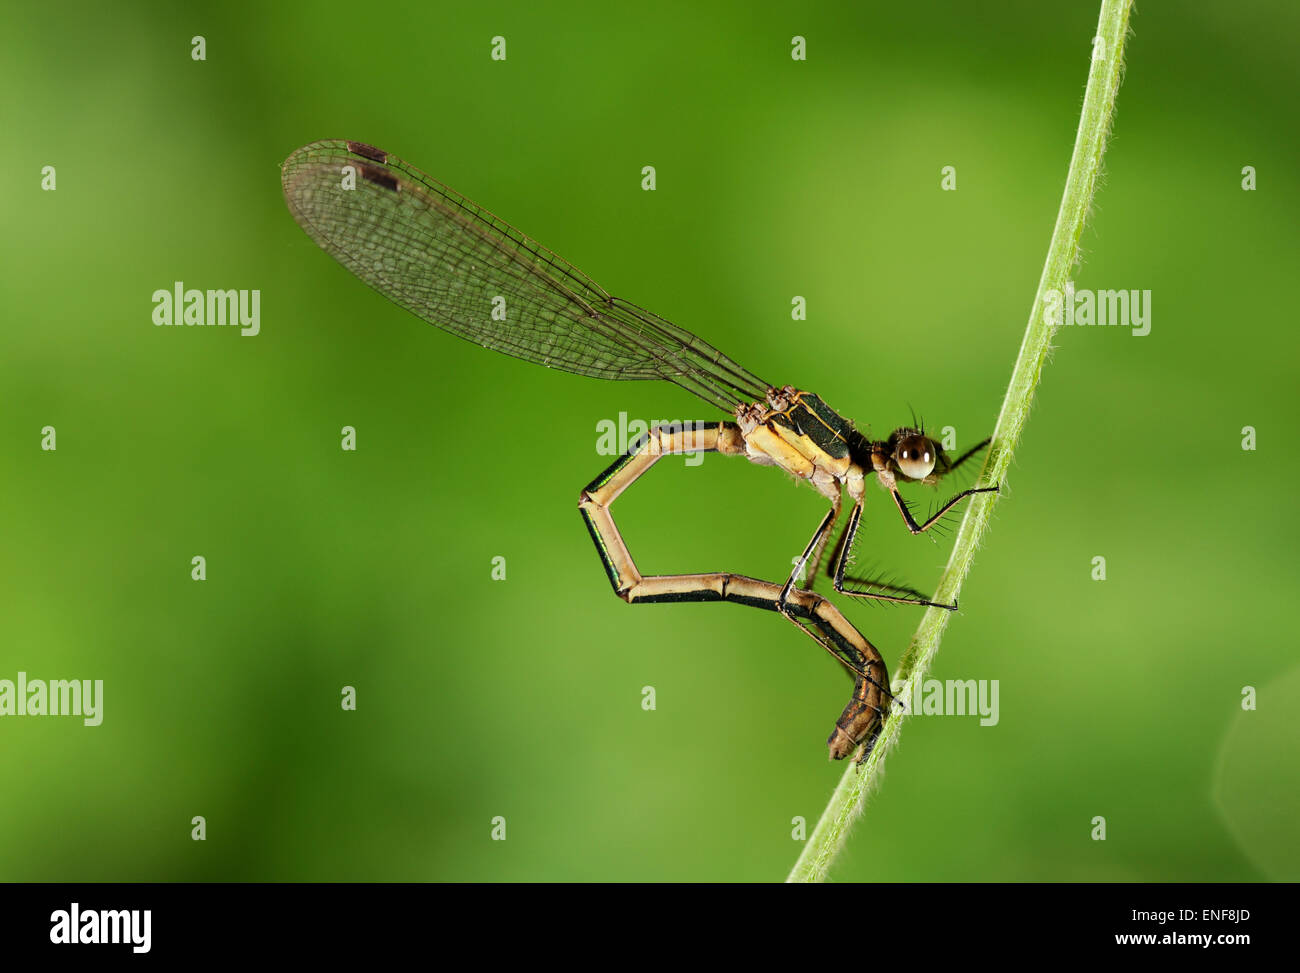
column 938, row 465
column 938, row 514
column 822, row 621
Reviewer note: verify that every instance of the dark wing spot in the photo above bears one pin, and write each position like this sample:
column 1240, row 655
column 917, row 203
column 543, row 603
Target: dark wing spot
column 369, row 151
column 380, row 177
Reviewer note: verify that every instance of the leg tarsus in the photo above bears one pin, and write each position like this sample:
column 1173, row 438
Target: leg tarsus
column 910, row 521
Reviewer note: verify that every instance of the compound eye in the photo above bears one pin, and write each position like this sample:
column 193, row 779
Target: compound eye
column 914, row 457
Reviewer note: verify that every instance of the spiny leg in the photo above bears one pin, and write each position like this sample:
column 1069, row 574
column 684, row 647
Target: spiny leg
column 911, row 522
column 784, row 602
column 906, row 596
column 898, row 589
column 817, row 543
column 967, row 455
column 834, row 559
column 809, row 573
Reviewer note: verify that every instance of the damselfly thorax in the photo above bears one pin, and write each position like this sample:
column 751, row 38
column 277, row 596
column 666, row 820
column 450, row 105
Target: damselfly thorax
column 798, row 432
column 808, row 439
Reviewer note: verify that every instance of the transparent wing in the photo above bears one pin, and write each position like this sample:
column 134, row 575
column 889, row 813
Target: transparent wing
column 432, row 251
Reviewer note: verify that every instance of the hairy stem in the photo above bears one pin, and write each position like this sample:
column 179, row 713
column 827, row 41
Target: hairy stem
column 1090, row 144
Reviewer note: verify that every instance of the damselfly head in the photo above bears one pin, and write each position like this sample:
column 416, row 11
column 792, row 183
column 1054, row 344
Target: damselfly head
column 914, row 454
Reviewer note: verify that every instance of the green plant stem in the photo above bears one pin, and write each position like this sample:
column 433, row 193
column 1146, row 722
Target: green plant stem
column 1090, row 144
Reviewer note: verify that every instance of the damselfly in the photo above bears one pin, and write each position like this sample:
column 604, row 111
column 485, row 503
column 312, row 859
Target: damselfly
column 452, row 263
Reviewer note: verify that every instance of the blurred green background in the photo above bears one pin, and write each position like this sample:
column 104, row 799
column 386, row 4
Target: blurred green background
column 521, row 698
